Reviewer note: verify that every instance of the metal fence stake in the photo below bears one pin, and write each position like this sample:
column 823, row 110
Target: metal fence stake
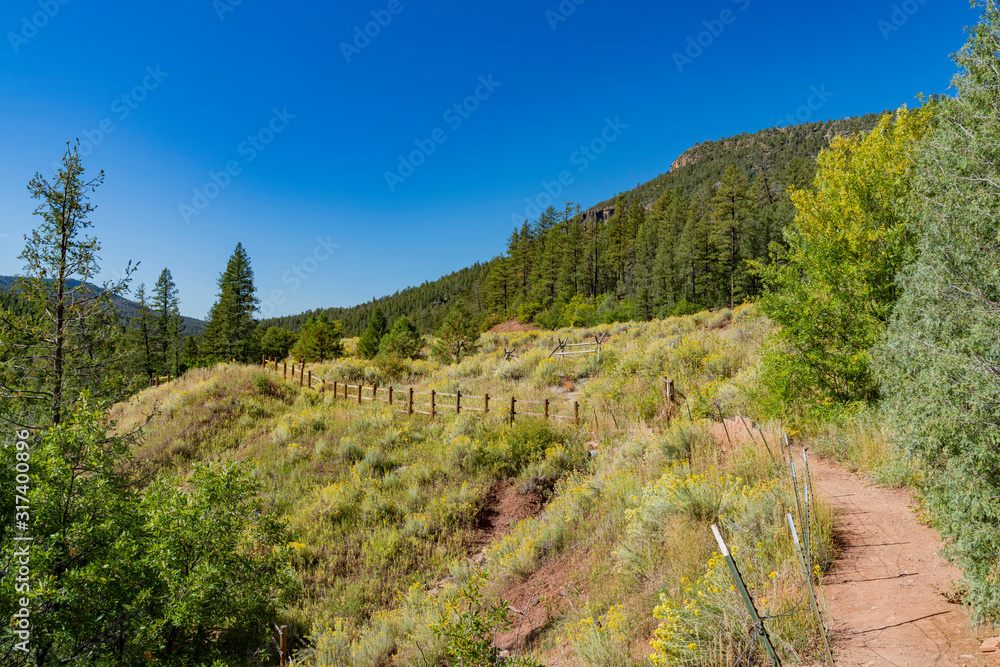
column 758, row 623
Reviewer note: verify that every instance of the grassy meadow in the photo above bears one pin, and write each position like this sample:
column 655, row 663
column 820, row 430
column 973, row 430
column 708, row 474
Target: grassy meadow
column 579, row 545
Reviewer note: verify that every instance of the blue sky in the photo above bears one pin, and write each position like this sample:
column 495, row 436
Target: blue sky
column 276, row 124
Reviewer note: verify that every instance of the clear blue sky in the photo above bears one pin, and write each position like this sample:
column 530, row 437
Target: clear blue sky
column 185, row 84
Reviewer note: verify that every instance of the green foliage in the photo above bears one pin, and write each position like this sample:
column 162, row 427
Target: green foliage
column 371, row 339
column 168, row 328
column 457, row 336
column 319, row 340
column 470, row 635
column 403, row 341
column 939, row 360
column 220, row 566
column 276, row 343
column 118, row 575
column 833, row 289
column 229, row 332
column 67, row 344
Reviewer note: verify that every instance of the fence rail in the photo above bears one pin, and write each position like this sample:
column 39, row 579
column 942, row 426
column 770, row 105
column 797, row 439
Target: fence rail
column 402, row 398
column 160, row 379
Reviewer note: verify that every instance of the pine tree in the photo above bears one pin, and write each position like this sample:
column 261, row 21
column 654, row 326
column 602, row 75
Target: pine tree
column 230, row 327
column 71, row 343
column 731, row 211
column 371, row 339
column 498, row 286
column 457, row 336
column 168, row 325
column 319, row 340
column 403, row 341
column 141, row 337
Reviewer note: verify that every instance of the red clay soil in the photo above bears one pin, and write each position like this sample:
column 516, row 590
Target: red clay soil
column 539, row 600
column 888, row 589
column 513, row 326
column 503, row 509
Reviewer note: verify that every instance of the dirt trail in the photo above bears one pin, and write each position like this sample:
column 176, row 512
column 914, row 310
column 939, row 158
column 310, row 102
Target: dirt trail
column 886, row 589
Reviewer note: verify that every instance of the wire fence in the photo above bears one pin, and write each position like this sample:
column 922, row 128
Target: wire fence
column 431, row 403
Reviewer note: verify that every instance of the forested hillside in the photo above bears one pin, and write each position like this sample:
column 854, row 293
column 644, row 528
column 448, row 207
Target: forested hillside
column 426, row 305
column 682, row 238
column 126, row 307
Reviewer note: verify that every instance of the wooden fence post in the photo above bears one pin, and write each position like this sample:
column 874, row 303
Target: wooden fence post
column 335, row 389
column 512, row 412
column 576, row 412
column 302, row 372
column 345, row 391
column 546, row 408
column 758, row 623
column 360, row 387
column 458, row 402
column 285, row 375
column 390, row 394
column 263, row 360
column 310, row 380
column 486, row 404
column 433, row 394
column 283, row 647
column 375, row 393
column 409, row 402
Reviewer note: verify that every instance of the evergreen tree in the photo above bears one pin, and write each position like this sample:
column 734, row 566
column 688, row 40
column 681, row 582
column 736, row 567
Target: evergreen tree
column 190, row 352
column 70, row 342
column 168, row 325
column 319, row 340
column 939, row 359
column 229, row 331
column 731, row 211
column 499, row 287
column 368, row 343
column 403, row 341
column 140, row 338
column 457, row 336
column 276, row 343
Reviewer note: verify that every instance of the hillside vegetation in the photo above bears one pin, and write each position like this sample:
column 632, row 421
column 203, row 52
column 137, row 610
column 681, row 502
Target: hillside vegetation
column 393, row 518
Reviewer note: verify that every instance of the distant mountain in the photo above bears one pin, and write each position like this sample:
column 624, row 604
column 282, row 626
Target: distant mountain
column 768, row 150
column 767, row 153
column 126, row 307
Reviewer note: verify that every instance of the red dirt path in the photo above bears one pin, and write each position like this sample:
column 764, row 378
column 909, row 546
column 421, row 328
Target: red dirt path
column 886, row 590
